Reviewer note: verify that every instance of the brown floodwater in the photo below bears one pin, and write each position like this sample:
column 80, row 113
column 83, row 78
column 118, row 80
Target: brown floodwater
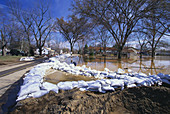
column 55, row 76
column 160, row 64
column 147, row 65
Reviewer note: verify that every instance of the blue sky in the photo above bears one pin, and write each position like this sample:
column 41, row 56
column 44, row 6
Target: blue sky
column 59, row 8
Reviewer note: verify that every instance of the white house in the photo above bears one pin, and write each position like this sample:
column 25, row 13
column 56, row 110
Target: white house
column 45, row 51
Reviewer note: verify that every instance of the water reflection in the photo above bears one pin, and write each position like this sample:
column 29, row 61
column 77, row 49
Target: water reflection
column 145, row 65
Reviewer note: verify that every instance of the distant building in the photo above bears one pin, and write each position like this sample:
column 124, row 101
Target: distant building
column 46, row 51
column 127, row 51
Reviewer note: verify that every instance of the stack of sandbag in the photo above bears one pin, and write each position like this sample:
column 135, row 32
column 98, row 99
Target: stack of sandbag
column 164, row 77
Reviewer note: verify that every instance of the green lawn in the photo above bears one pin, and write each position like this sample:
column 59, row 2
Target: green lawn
column 9, row 58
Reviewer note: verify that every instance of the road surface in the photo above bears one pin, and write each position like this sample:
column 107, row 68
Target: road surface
column 12, row 70
column 13, row 74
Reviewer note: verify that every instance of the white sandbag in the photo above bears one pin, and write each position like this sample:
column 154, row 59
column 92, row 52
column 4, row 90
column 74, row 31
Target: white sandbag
column 53, row 59
column 129, row 80
column 83, row 89
column 48, row 86
column 94, row 86
column 117, row 83
column 145, row 83
column 137, row 80
column 84, row 66
column 22, row 97
column 106, row 69
column 55, row 67
column 167, row 76
column 30, row 79
column 82, row 84
column 72, row 65
column 104, row 73
column 65, row 85
column 164, row 76
column 75, row 84
column 108, row 88
column 122, row 76
column 131, row 85
column 78, row 68
column 142, row 74
column 28, row 88
column 65, row 64
column 130, row 71
column 55, row 90
column 120, row 71
column 39, row 93
column 102, row 82
column 166, row 81
column 111, row 75
column 87, row 74
column 100, row 90
column 107, row 81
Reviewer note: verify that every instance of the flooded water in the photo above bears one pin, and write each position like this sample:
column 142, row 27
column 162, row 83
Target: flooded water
column 160, row 64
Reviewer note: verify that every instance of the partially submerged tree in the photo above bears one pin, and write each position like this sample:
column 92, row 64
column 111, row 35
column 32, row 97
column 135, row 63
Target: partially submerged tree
column 156, row 24
column 86, row 49
column 103, row 37
column 119, row 17
column 73, row 30
column 142, row 40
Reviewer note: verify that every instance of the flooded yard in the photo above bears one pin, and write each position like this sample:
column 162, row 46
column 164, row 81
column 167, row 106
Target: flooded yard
column 144, row 65
column 160, row 64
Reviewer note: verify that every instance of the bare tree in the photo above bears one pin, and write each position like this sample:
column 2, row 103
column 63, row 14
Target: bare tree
column 42, row 24
column 103, row 37
column 119, row 17
column 142, row 40
column 156, row 24
column 3, row 31
column 23, row 17
column 73, row 30
column 16, row 36
column 3, row 41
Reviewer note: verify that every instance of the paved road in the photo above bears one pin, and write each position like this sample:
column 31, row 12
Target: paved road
column 12, row 70
column 13, row 74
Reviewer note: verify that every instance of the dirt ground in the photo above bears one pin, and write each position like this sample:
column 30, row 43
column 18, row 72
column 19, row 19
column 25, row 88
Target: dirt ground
column 132, row 100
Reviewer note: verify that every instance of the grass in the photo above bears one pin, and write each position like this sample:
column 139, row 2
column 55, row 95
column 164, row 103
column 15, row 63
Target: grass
column 9, row 58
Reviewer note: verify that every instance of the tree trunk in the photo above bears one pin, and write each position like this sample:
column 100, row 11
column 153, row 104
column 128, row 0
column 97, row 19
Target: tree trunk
column 104, row 50
column 153, row 52
column 140, row 53
column 29, row 51
column 40, row 51
column 71, row 46
column 3, row 51
column 119, row 52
